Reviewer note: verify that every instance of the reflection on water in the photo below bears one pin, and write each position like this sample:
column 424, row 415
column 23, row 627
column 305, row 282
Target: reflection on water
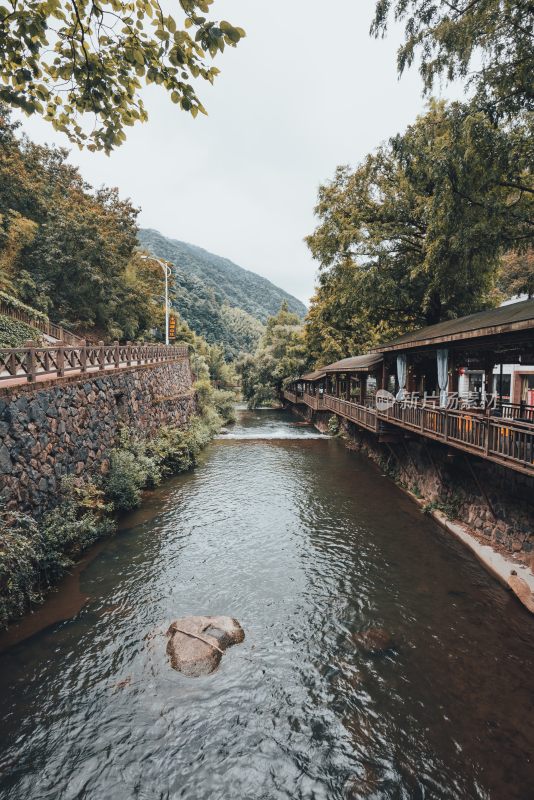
column 308, row 546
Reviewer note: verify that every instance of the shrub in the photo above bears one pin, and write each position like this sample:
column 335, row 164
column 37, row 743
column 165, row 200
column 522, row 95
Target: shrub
column 14, row 333
column 35, row 555
column 171, row 451
column 333, row 425
column 224, row 403
column 19, row 553
column 130, row 473
column 203, row 391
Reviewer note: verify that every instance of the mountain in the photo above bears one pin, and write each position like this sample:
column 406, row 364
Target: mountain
column 218, row 299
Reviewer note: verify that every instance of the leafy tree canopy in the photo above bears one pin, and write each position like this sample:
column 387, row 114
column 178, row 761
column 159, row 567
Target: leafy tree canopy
column 281, row 354
column 68, row 250
column 490, row 42
column 516, row 273
column 70, row 59
column 415, row 233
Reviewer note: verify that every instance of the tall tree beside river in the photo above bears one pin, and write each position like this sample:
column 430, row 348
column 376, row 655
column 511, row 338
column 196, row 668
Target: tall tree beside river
column 69, row 250
column 415, row 233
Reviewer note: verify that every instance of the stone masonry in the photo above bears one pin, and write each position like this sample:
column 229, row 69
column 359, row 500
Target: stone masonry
column 67, row 426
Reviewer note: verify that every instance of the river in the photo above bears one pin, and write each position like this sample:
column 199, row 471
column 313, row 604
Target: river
column 307, row 545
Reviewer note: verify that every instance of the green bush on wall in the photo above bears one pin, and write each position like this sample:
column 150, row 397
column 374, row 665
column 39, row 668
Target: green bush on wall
column 14, row 333
column 33, row 556
column 17, row 305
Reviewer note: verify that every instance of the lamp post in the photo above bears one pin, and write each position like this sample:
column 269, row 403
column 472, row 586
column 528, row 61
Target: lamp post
column 167, row 271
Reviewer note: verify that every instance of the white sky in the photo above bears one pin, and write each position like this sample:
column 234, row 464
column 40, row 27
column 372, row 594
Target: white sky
column 308, row 89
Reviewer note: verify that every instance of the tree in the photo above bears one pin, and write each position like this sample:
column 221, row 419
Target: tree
column 490, row 42
column 281, row 354
column 516, row 274
column 414, row 235
column 337, row 325
column 67, row 59
column 68, row 250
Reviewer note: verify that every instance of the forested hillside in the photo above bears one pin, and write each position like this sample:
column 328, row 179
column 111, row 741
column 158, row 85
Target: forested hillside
column 230, row 283
column 212, row 318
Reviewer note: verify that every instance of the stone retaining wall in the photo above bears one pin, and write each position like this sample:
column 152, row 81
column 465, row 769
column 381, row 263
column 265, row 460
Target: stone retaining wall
column 68, row 426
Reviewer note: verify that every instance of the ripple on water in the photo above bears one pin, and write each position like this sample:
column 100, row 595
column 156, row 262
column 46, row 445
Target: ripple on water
column 309, row 547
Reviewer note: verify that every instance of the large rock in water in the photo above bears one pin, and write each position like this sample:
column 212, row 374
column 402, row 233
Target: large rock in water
column 196, row 644
column 374, row 641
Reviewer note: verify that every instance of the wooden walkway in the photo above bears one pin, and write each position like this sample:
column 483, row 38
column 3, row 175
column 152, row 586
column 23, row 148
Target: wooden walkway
column 505, row 441
column 36, row 364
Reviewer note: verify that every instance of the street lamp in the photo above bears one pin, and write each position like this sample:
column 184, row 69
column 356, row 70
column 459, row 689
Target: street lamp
column 167, row 271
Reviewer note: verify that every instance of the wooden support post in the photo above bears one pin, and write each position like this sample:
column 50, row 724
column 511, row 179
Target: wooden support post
column 83, row 358
column 101, row 355
column 116, row 354
column 60, row 360
column 31, row 366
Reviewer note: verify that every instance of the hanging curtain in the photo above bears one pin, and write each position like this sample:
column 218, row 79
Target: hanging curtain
column 401, row 375
column 443, row 375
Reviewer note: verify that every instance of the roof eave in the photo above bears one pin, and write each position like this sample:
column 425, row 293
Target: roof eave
column 476, row 333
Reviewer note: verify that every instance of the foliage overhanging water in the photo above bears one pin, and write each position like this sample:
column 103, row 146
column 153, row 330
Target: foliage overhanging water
column 307, row 545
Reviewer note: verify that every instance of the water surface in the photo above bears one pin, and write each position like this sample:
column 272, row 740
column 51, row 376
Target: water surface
column 307, row 545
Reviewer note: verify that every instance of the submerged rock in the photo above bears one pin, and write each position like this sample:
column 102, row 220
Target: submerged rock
column 197, row 644
column 374, row 641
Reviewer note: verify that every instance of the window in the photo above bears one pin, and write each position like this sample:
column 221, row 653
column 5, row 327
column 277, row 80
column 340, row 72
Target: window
column 506, row 387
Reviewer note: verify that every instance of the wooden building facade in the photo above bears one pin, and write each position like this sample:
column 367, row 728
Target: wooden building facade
column 422, row 371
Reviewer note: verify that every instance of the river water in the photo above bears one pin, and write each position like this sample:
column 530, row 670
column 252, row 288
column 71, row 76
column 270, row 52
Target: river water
column 308, row 546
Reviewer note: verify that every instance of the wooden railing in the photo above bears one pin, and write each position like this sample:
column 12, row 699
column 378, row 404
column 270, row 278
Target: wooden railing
column 520, row 411
column 291, row 397
column 504, row 441
column 314, row 401
column 43, row 325
column 33, row 362
column 366, row 417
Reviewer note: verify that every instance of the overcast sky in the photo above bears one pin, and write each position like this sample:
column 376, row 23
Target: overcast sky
column 308, row 89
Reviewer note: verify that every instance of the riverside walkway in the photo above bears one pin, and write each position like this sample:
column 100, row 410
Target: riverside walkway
column 18, row 366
